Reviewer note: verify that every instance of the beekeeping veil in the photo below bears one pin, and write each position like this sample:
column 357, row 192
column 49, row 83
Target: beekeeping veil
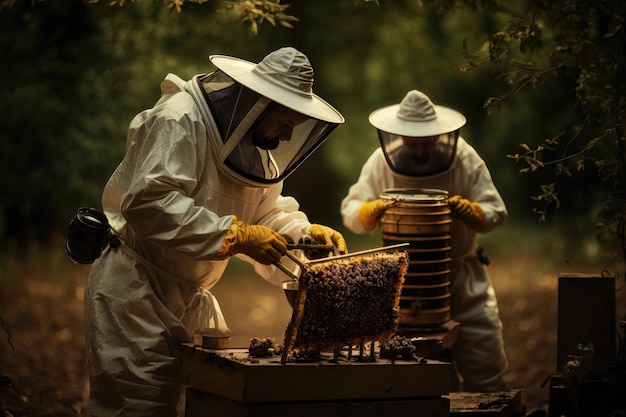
column 241, row 95
column 417, row 137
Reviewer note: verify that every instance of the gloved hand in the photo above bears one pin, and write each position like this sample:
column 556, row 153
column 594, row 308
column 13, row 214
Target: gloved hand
column 328, row 236
column 370, row 212
column 471, row 213
column 258, row 242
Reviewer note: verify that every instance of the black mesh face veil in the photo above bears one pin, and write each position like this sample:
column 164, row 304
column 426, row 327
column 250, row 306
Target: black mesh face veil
column 417, row 137
column 418, row 156
column 262, row 142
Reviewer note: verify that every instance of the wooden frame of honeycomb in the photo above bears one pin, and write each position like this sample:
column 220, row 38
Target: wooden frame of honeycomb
column 346, row 301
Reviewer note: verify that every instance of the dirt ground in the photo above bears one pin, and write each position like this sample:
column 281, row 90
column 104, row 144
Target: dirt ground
column 42, row 342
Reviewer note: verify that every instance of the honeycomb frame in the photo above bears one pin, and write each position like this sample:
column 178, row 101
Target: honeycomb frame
column 346, row 301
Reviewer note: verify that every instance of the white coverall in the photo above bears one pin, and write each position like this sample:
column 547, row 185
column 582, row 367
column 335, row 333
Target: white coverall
column 478, row 354
column 170, row 204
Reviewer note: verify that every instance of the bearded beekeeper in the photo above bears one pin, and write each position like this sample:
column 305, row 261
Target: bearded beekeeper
column 421, row 149
column 201, row 182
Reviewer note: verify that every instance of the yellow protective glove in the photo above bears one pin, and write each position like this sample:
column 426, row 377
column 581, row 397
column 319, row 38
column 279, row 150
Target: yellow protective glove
column 471, row 213
column 370, row 213
column 328, row 236
column 258, row 242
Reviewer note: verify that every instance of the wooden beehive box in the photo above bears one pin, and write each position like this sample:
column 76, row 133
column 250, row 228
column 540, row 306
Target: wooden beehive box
column 231, row 374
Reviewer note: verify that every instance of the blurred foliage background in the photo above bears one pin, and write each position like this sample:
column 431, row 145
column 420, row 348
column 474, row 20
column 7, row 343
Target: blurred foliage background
column 74, row 74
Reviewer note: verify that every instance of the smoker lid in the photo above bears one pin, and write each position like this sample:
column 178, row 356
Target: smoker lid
column 415, row 194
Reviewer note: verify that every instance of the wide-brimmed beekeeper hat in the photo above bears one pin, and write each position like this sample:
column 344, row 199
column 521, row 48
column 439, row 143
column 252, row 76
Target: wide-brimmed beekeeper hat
column 416, row 116
column 284, row 76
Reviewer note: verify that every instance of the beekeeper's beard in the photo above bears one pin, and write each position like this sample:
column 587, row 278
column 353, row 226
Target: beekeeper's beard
column 264, row 142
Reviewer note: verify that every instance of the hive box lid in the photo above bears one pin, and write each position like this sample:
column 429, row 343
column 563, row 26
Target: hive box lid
column 229, row 373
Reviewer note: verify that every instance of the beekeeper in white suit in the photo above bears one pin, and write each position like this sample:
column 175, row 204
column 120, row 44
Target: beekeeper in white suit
column 421, row 148
column 201, row 181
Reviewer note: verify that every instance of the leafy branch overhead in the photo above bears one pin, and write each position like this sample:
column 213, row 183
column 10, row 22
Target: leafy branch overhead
column 580, row 45
column 568, row 53
column 258, row 11
column 253, row 12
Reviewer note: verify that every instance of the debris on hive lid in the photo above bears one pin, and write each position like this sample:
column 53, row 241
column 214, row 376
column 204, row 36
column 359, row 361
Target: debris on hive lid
column 263, row 347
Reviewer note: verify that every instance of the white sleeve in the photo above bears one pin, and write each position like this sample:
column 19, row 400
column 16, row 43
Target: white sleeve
column 478, row 187
column 160, row 173
column 375, row 177
column 281, row 214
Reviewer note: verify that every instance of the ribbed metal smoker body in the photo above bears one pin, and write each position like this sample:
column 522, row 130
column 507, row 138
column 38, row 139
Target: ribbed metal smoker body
column 421, row 218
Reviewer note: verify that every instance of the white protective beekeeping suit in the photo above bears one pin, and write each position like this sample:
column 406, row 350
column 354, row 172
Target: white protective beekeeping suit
column 171, row 201
column 478, row 354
